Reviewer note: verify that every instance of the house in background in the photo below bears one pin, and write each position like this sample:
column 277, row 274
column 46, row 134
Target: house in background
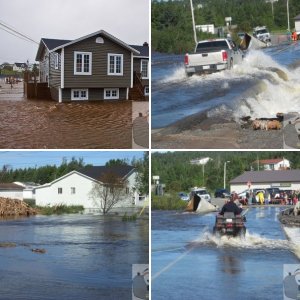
column 94, row 67
column 297, row 24
column 11, row 190
column 273, row 164
column 74, row 188
column 19, row 67
column 28, row 189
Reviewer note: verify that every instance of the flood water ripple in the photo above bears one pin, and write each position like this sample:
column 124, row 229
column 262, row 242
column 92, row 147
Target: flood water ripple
column 87, row 257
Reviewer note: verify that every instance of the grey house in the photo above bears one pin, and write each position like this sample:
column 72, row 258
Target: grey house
column 94, row 67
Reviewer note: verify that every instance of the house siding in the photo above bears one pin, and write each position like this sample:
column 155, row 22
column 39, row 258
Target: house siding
column 95, row 94
column 99, row 77
column 54, row 93
column 55, row 74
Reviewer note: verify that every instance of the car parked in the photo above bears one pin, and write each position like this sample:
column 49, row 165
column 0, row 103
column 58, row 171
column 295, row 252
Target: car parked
column 184, row 196
column 222, row 193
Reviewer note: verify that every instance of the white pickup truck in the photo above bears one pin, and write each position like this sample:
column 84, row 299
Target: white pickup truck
column 212, row 56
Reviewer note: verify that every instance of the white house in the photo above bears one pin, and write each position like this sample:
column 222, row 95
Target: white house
column 283, row 179
column 29, row 189
column 274, row 164
column 11, row 190
column 209, row 28
column 19, row 67
column 74, row 188
column 297, row 23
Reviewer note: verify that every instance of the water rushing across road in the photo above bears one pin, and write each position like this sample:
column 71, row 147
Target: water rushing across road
column 267, row 82
column 88, row 257
column 188, row 262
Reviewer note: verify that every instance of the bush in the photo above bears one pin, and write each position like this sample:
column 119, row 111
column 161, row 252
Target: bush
column 126, row 218
column 60, row 209
column 168, row 202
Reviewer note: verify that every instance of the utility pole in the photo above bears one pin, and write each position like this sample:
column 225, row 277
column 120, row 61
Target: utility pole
column 193, row 20
column 288, row 14
column 225, row 173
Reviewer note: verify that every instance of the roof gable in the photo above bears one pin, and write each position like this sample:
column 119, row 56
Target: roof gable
column 97, row 172
column 49, row 44
column 100, row 32
column 297, row 18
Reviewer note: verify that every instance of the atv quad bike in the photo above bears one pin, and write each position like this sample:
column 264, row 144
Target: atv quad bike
column 230, row 224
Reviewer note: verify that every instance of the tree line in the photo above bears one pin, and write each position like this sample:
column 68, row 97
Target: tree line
column 176, row 171
column 171, row 21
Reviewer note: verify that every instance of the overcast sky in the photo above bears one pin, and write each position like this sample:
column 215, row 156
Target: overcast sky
column 26, row 159
column 127, row 20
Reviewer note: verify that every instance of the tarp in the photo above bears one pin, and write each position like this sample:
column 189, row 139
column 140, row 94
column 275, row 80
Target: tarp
column 205, row 207
column 200, row 205
column 250, row 42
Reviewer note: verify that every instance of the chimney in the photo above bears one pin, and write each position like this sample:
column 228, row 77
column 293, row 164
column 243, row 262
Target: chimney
column 146, row 44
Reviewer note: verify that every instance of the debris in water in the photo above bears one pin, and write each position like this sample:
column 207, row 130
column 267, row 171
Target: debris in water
column 37, row 250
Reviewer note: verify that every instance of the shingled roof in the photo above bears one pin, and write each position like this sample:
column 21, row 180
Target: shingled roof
column 97, row 172
column 268, row 176
column 144, row 50
column 50, row 44
column 11, row 187
column 297, row 18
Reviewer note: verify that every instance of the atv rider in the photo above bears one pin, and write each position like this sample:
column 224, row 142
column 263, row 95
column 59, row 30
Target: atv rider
column 231, row 207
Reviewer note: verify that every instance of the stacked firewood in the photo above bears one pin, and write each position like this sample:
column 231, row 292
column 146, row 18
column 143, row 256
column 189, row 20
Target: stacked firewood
column 14, row 207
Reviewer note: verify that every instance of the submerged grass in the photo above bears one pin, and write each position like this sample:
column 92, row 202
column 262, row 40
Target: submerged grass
column 168, row 202
column 126, row 218
column 60, row 209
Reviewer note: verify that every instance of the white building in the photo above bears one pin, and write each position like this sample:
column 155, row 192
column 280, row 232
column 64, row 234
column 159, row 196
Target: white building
column 297, row 23
column 29, row 189
column 209, row 28
column 19, row 67
column 200, row 161
column 283, row 179
column 274, row 164
column 74, row 188
column 11, row 190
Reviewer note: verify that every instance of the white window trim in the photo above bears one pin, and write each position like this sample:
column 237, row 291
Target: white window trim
column 56, row 61
column 90, row 63
column 112, row 97
column 80, row 90
column 145, row 93
column 108, row 65
column 146, row 60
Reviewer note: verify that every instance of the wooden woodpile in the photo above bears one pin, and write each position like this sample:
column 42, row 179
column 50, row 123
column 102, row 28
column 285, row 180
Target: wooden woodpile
column 14, row 207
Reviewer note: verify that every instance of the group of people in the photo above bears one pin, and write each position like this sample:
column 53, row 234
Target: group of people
column 265, row 197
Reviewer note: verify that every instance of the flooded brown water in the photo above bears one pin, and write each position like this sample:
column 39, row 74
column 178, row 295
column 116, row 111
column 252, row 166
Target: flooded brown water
column 47, row 124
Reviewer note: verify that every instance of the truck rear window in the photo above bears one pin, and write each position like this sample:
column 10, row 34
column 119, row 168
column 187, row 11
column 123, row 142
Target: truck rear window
column 211, row 46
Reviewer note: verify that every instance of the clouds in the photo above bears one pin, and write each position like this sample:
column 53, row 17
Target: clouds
column 128, row 20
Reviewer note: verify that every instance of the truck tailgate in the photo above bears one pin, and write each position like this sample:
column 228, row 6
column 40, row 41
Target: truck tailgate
column 206, row 58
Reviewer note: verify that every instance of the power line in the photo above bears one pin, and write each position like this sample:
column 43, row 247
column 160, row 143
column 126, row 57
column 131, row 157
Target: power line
column 20, row 35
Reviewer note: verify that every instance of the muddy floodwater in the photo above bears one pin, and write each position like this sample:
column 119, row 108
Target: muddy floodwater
column 87, row 257
column 47, row 124
column 188, row 262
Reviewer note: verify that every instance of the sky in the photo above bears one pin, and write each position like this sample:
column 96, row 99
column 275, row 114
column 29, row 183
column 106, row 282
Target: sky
column 127, row 20
column 27, row 159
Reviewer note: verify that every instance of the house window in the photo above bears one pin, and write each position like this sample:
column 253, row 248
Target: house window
column 144, row 68
column 59, row 190
column 80, row 95
column 56, row 61
column 73, row 190
column 146, row 91
column 115, row 64
column 82, row 63
column 111, row 93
